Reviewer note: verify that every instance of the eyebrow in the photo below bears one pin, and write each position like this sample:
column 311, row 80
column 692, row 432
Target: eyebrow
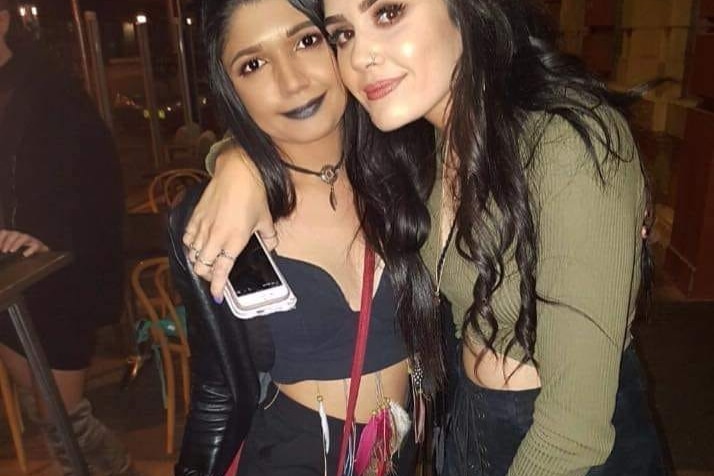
column 251, row 50
column 363, row 6
column 297, row 28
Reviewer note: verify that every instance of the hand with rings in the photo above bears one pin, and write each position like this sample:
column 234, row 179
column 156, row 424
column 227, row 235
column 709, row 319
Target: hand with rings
column 217, row 229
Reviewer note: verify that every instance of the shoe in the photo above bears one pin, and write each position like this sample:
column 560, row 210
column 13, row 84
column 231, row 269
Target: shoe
column 102, row 450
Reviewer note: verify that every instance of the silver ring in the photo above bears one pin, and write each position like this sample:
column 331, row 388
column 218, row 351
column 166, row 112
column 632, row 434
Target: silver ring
column 208, row 264
column 372, row 59
column 224, row 254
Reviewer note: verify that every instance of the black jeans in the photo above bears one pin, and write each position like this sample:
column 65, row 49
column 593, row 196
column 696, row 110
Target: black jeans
column 285, row 439
column 487, row 426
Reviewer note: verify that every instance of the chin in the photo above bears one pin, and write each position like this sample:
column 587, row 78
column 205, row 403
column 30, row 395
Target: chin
column 387, row 121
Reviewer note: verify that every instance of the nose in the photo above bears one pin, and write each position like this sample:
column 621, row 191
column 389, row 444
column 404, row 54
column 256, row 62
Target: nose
column 290, row 76
column 365, row 53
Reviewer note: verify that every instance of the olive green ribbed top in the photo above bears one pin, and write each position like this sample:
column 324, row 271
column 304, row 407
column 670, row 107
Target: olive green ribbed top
column 589, row 261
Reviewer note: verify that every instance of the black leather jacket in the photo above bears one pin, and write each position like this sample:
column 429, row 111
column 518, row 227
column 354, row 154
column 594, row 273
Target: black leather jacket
column 227, row 355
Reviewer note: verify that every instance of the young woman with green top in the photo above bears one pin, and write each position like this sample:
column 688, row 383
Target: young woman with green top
column 536, row 210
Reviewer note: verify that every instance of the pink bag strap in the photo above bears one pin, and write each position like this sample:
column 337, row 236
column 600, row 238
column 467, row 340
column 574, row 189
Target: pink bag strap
column 365, row 313
column 233, row 468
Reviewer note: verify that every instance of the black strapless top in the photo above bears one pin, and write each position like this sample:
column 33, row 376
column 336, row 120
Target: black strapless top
column 315, row 341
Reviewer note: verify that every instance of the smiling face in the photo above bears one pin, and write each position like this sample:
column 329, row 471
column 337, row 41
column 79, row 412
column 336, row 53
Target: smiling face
column 283, row 72
column 397, row 58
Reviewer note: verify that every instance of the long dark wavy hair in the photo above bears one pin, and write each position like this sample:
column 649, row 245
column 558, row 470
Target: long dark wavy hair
column 389, row 173
column 509, row 69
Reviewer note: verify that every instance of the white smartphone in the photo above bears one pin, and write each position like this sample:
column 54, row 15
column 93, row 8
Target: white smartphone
column 255, row 284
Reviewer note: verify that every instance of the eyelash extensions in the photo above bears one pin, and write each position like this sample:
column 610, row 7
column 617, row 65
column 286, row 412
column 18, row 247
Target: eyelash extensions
column 393, row 9
column 384, row 15
column 251, row 65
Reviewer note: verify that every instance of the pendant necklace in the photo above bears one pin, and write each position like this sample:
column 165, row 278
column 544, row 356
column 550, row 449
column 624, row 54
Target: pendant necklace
column 443, row 245
column 440, row 261
column 328, row 174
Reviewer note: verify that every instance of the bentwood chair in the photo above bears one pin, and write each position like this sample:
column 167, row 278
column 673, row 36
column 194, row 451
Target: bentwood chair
column 167, row 188
column 166, row 328
column 14, row 417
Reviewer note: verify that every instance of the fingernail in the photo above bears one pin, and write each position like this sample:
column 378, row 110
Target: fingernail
column 218, row 300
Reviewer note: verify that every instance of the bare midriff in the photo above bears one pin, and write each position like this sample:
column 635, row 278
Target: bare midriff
column 394, row 385
column 497, row 372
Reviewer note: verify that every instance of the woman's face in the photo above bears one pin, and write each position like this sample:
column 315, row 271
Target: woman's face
column 396, row 56
column 284, row 72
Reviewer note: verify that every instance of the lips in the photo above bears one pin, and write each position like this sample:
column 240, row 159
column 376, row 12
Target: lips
column 380, row 89
column 307, row 110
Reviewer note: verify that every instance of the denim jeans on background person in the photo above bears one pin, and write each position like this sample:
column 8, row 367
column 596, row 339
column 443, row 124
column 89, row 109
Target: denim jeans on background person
column 487, row 426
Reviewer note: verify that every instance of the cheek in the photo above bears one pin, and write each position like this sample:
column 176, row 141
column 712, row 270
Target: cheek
column 433, row 61
column 407, row 49
column 253, row 103
column 348, row 75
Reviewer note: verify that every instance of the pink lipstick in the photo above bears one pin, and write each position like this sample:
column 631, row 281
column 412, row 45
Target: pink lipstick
column 380, row 89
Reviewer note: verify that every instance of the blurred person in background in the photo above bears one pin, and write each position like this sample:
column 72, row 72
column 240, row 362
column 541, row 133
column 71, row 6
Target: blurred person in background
column 60, row 189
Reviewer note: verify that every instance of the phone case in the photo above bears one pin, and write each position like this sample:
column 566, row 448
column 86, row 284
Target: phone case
column 286, row 304
column 283, row 304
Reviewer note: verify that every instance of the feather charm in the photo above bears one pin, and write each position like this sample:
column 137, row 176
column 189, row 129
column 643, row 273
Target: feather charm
column 367, row 441
column 323, row 424
column 400, row 423
column 351, row 451
column 375, row 444
column 418, row 399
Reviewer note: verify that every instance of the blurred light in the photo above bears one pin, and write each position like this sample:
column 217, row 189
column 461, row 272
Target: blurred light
column 189, row 21
column 162, row 114
column 146, row 114
column 168, row 108
column 23, row 11
column 141, row 19
column 34, row 11
column 127, row 29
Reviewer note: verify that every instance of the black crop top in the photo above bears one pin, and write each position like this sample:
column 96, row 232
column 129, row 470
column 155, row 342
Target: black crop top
column 315, row 341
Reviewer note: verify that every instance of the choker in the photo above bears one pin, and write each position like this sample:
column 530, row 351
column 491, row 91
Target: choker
column 328, row 174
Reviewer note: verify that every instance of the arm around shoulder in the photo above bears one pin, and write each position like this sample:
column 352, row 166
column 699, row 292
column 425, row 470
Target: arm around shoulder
column 225, row 389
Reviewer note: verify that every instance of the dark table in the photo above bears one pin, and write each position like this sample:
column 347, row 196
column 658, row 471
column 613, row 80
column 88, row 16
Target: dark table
column 16, row 275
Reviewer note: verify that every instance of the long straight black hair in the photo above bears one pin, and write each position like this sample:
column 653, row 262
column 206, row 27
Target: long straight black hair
column 389, row 173
column 509, row 69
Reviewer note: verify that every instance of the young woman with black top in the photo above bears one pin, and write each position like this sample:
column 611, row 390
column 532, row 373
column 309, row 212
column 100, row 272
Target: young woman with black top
column 277, row 84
